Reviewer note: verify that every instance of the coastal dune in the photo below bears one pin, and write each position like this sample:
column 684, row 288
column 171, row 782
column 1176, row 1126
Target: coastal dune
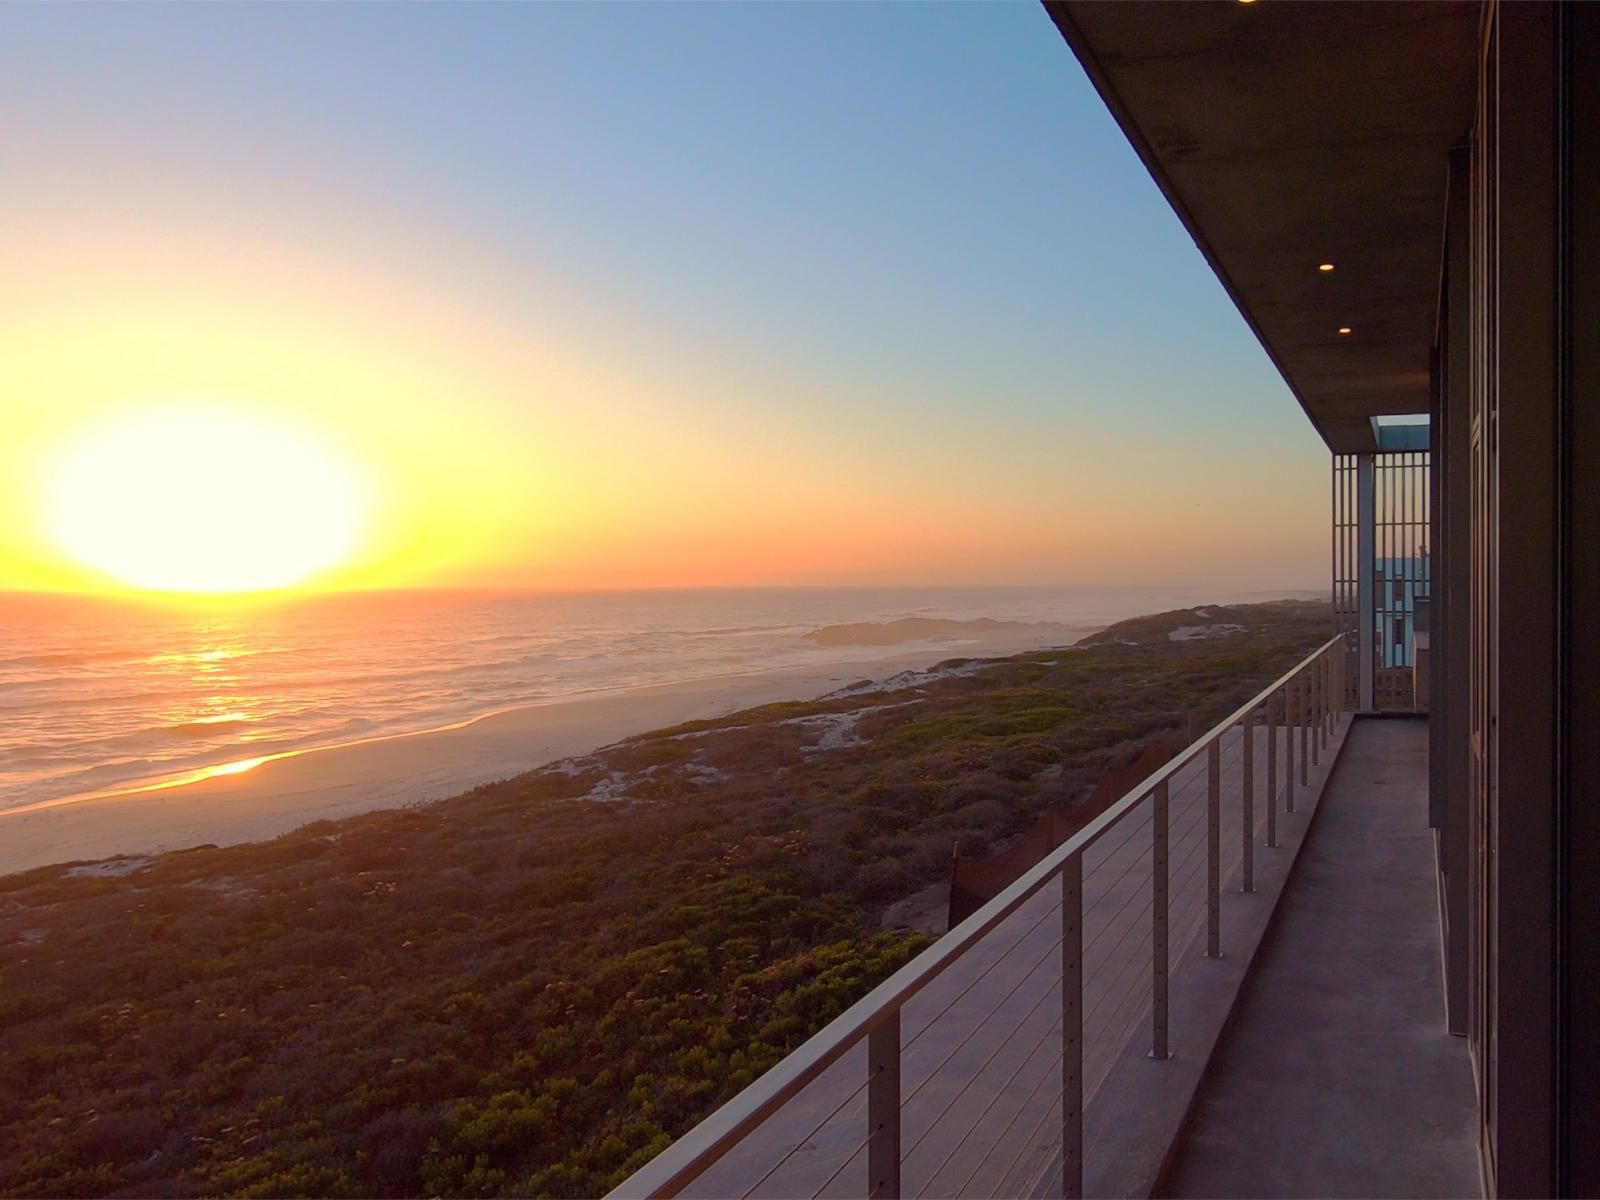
column 933, row 629
column 340, row 781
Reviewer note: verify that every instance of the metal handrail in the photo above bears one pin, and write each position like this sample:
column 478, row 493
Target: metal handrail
column 878, row 1012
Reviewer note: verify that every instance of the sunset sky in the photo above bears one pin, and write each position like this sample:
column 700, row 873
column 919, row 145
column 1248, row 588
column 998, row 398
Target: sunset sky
column 616, row 296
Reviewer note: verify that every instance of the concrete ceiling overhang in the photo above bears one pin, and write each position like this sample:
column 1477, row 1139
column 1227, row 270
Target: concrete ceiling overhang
column 1286, row 135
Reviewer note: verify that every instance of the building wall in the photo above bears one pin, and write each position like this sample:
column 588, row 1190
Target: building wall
column 1578, row 550
column 1519, row 405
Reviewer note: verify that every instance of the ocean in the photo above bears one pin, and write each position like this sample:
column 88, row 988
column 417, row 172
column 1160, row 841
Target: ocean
column 100, row 695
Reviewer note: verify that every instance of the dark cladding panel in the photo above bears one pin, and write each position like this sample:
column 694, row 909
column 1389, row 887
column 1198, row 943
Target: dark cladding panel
column 1580, row 532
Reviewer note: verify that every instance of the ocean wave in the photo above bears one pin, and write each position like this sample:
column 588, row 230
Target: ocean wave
column 737, row 629
column 90, row 778
column 155, row 658
column 28, row 762
column 73, row 658
column 102, row 701
column 203, row 728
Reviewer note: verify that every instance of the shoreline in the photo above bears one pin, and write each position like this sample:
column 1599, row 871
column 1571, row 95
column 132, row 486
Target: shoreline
column 282, row 792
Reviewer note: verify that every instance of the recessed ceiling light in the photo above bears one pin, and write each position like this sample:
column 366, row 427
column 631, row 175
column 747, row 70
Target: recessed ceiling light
column 1324, row 266
column 1344, row 330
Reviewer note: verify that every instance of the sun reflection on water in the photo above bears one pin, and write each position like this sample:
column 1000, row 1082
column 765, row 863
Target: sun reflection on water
column 232, row 768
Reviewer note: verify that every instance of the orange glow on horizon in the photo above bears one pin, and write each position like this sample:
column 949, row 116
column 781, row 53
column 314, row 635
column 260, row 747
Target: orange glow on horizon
column 491, row 441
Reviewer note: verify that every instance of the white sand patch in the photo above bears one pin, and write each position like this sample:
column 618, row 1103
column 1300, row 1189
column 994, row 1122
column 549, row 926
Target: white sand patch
column 614, row 787
column 1190, row 633
column 697, row 733
column 113, row 868
column 839, row 729
column 700, row 773
column 910, row 679
column 573, row 767
column 228, row 885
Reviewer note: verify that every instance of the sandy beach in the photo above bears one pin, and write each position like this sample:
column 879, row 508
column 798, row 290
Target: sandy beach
column 340, row 781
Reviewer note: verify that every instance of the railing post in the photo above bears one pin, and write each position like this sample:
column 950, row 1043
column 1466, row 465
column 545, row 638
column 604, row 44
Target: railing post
column 1325, row 678
column 1316, row 724
column 1338, row 682
column 1158, row 916
column 1304, row 717
column 1272, row 776
column 1249, row 834
column 1322, row 701
column 1340, row 698
column 1314, row 712
column 1346, row 705
column 883, row 1108
column 1214, row 848
column 1288, row 745
column 1072, row 1028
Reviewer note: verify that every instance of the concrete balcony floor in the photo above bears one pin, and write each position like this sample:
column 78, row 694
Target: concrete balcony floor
column 1335, row 1076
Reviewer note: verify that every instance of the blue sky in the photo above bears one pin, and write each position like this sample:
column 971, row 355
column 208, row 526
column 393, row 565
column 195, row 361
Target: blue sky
column 878, row 229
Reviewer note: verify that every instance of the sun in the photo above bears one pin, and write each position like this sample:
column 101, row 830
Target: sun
column 204, row 498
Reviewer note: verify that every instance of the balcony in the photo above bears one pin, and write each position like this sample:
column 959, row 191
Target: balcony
column 1226, row 984
column 1336, row 1076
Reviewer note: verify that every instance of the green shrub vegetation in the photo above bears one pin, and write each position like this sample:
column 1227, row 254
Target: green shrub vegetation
column 534, row 987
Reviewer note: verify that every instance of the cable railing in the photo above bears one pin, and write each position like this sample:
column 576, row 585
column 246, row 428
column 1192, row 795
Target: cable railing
column 968, row 1071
